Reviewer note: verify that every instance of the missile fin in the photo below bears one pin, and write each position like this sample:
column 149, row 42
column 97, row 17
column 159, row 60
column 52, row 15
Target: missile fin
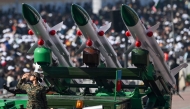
column 105, row 27
column 176, row 70
column 31, row 50
column 154, row 28
column 131, row 47
column 82, row 47
column 156, row 2
column 57, row 27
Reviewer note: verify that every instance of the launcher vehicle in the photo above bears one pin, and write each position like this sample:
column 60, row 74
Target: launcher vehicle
column 156, row 92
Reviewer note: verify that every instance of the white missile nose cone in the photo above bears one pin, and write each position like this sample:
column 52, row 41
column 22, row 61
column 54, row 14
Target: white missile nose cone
column 80, row 16
column 30, row 14
column 128, row 15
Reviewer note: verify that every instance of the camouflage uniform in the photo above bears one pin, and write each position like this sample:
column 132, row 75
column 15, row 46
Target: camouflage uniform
column 36, row 95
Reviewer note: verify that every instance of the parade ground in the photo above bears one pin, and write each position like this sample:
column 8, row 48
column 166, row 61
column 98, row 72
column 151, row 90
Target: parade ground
column 178, row 103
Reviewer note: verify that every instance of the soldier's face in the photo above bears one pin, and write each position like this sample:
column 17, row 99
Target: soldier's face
column 32, row 78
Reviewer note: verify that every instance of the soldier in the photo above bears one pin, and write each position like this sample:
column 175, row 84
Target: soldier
column 36, row 93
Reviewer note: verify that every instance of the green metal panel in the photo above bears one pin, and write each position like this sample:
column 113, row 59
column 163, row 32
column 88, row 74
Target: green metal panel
column 87, row 73
column 20, row 102
column 2, row 103
column 7, row 104
column 68, row 102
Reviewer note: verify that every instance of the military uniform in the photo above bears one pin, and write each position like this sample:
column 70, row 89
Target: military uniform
column 36, row 95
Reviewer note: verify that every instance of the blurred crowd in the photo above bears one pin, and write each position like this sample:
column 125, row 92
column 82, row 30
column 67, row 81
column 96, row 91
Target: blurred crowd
column 15, row 41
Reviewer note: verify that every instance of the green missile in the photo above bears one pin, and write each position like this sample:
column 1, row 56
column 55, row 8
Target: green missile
column 129, row 16
column 79, row 15
column 30, row 14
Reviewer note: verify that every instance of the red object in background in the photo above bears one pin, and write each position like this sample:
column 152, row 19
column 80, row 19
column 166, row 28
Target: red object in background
column 101, row 33
column 166, row 56
column 14, row 28
column 30, row 32
column 137, row 43
column 79, row 33
column 89, row 42
column 154, row 9
column 127, row 33
column 44, row 20
column 96, row 22
column 52, row 32
column 40, row 42
column 149, row 34
column 118, row 85
column 3, row 63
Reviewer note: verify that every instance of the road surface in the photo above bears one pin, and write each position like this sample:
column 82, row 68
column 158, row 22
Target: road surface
column 178, row 103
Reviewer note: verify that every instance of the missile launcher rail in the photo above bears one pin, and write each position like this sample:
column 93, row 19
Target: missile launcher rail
column 156, row 92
